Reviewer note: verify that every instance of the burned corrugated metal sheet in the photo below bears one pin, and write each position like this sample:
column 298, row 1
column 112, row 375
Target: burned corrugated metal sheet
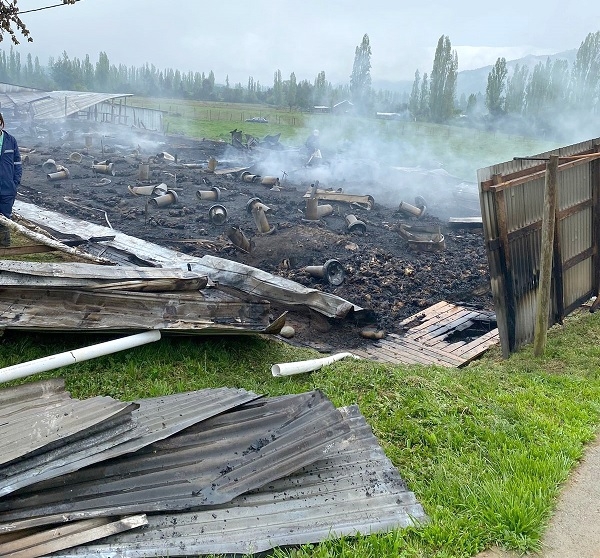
column 155, row 419
column 512, row 198
column 86, row 276
column 209, row 464
column 77, row 533
column 209, row 312
column 228, row 273
column 355, row 491
column 38, row 431
column 60, row 104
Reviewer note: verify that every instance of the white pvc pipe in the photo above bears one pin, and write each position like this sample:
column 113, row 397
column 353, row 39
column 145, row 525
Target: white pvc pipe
column 78, row 355
column 289, row 368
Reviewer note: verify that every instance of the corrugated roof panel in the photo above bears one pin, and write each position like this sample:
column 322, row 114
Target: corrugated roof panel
column 209, row 464
column 68, row 535
column 156, row 419
column 43, row 426
column 60, row 104
column 357, row 491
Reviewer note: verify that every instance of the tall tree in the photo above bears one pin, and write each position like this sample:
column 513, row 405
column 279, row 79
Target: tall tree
column 277, row 89
column 360, row 79
column 424, row 97
column 413, row 102
column 443, row 81
column 515, row 90
column 321, row 89
column 536, row 93
column 102, row 71
column 586, row 73
column 496, row 86
column 292, row 89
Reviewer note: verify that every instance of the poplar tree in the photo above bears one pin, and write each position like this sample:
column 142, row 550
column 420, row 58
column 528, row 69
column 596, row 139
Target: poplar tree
column 424, row 97
column 496, row 86
column 413, row 101
column 443, row 81
column 277, row 89
column 586, row 73
column 515, row 90
column 360, row 79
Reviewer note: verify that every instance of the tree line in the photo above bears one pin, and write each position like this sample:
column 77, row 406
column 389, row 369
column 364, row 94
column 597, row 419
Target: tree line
column 74, row 74
column 527, row 100
column 540, row 101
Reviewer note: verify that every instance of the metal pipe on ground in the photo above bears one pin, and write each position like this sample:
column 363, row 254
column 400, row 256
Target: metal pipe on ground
column 62, row 174
column 332, row 271
column 240, row 240
column 104, row 168
column 217, row 214
column 355, row 225
column 211, row 195
column 260, row 219
column 166, row 199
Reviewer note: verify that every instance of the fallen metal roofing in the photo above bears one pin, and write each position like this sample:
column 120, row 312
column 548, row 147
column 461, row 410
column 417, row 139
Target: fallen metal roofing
column 40, row 428
column 66, row 536
column 206, row 465
column 152, row 420
column 228, row 273
column 74, row 275
column 355, row 491
column 261, row 473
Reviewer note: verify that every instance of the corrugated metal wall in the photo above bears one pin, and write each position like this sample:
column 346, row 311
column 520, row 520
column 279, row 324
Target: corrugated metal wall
column 512, row 202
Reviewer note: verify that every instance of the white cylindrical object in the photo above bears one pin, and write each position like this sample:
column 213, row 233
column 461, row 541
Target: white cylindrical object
column 78, row 355
column 289, row 368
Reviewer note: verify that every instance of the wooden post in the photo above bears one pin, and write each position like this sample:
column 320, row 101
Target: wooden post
column 546, row 249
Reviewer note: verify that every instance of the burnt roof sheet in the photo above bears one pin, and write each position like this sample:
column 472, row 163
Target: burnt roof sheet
column 209, row 464
column 355, row 491
column 155, row 419
column 50, row 540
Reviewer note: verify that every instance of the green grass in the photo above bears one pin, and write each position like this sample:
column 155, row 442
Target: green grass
column 460, row 151
column 485, row 448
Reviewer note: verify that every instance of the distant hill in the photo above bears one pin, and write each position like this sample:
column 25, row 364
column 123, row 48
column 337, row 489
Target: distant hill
column 474, row 81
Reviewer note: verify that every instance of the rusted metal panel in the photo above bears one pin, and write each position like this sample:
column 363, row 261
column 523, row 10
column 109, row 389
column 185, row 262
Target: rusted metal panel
column 357, row 490
column 511, row 196
column 155, row 419
column 204, row 466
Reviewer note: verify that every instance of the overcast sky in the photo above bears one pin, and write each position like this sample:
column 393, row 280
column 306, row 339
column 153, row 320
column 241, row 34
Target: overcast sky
column 256, row 37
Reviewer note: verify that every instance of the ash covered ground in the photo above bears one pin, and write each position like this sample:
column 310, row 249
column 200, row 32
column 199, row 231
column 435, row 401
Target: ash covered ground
column 382, row 272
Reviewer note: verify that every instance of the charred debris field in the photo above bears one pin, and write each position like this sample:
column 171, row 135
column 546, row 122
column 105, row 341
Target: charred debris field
column 382, row 237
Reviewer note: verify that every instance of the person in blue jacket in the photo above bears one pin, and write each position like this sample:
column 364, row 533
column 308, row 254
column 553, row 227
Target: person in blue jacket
column 11, row 171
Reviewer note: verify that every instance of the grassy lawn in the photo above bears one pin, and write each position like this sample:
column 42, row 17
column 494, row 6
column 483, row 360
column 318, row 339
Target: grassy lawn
column 461, row 151
column 484, row 448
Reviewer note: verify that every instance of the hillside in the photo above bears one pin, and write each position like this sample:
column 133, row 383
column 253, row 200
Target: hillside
column 473, row 81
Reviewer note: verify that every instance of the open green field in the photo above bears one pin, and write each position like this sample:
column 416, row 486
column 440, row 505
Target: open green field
column 460, row 151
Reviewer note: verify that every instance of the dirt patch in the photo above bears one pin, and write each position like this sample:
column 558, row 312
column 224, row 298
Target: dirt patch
column 382, row 272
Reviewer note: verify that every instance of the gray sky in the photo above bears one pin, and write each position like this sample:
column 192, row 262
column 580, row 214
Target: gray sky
column 256, row 37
